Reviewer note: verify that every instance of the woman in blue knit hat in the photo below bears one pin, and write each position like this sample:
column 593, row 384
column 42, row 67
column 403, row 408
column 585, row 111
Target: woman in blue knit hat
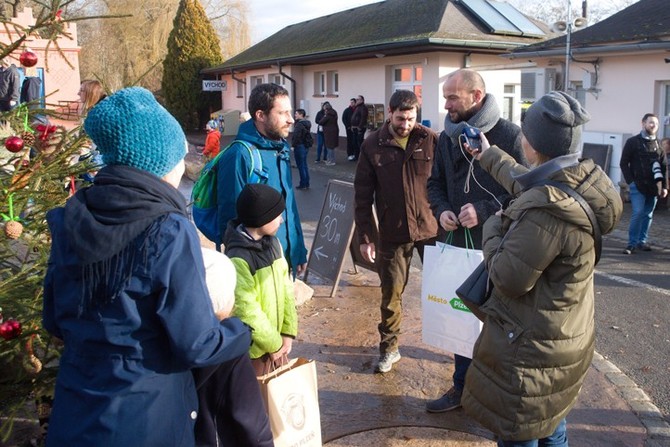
column 125, row 289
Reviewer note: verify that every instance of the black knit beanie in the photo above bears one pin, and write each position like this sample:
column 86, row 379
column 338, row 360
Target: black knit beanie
column 259, row 204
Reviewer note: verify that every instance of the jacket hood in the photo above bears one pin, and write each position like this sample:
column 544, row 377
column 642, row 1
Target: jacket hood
column 585, row 177
column 250, row 134
column 103, row 219
column 306, row 123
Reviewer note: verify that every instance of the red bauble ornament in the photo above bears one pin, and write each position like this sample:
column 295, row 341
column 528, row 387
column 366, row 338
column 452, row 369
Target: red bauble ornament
column 10, row 329
column 14, row 144
column 28, row 58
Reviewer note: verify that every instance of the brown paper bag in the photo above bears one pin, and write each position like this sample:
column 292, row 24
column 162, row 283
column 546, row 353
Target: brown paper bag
column 292, row 400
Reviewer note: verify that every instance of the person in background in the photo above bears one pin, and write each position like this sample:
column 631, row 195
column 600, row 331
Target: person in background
column 31, row 89
column 320, row 145
column 346, row 120
column 90, row 93
column 459, row 203
column 213, row 140
column 359, row 124
column 392, row 172
column 271, row 119
column 264, row 297
column 301, row 141
column 331, row 133
column 538, row 338
column 638, row 158
column 125, row 289
column 10, row 86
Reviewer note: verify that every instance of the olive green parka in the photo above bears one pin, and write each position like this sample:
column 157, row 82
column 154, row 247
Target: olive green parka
column 538, row 337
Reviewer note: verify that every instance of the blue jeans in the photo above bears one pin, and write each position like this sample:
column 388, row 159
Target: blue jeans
column 640, row 219
column 320, row 146
column 559, row 438
column 330, row 155
column 300, row 154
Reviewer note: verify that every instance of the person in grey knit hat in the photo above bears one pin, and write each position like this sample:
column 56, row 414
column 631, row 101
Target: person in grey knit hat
column 538, row 339
column 553, row 124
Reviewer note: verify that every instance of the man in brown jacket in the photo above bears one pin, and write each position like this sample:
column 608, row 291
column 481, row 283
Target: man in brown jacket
column 392, row 172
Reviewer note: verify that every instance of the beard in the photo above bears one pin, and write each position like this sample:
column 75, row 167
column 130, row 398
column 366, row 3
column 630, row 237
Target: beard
column 276, row 133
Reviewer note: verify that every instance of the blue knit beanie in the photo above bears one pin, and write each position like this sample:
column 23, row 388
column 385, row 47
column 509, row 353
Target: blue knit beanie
column 130, row 128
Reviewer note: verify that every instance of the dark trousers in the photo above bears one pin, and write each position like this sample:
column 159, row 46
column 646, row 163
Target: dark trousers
column 231, row 406
column 394, row 260
column 351, row 144
column 359, row 135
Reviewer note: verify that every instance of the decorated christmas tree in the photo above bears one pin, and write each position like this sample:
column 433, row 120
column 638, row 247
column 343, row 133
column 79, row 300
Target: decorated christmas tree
column 39, row 168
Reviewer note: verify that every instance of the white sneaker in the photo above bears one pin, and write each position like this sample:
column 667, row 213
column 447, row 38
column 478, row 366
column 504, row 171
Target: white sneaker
column 330, row 163
column 350, row 158
column 386, row 361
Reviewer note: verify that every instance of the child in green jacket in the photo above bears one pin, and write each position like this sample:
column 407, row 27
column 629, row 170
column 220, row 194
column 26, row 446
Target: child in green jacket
column 264, row 297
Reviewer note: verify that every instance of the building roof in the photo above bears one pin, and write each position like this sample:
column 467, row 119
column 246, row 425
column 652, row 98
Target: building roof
column 642, row 25
column 386, row 28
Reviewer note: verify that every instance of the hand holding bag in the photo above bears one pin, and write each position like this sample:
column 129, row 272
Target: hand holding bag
column 292, row 400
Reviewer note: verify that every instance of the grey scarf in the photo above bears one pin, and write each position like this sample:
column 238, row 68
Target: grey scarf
column 484, row 119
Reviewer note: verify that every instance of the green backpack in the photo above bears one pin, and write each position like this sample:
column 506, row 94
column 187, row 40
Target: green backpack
column 204, row 194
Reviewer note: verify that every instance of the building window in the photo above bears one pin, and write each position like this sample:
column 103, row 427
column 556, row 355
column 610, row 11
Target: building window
column 254, row 81
column 408, row 77
column 275, row 78
column 511, row 98
column 319, row 83
column 333, row 86
column 240, row 89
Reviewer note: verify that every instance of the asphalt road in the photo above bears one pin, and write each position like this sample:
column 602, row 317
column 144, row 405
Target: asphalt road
column 632, row 294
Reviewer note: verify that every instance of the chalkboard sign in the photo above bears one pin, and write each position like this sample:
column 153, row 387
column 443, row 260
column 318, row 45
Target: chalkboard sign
column 333, row 232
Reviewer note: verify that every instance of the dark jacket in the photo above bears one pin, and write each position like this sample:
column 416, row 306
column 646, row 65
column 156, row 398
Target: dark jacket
column 395, row 181
column 450, row 174
column 346, row 117
column 301, row 129
column 317, row 118
column 331, row 130
column 637, row 157
column 234, row 166
column 125, row 291
column 359, row 119
column 538, row 337
column 10, row 84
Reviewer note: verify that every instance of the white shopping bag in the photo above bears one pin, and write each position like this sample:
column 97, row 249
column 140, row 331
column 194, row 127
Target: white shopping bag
column 447, row 323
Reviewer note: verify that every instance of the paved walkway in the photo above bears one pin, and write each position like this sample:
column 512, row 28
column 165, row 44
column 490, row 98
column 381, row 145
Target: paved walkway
column 361, row 408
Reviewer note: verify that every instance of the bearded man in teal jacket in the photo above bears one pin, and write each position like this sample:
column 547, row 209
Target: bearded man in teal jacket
column 271, row 119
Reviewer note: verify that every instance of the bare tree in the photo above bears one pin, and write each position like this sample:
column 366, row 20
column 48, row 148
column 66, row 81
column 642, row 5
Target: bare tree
column 129, row 50
column 552, row 11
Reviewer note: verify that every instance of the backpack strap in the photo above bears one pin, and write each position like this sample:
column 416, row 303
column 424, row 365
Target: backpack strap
column 256, row 170
column 597, row 236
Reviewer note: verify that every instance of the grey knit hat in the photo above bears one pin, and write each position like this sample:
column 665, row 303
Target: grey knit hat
column 553, row 124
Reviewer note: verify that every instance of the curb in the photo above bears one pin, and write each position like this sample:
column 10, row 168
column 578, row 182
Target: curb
column 658, row 430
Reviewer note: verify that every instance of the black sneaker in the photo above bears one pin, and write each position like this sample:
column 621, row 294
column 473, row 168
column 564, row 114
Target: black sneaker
column 629, row 250
column 449, row 401
column 644, row 247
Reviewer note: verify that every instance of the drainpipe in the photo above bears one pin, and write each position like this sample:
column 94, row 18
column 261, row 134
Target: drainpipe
column 243, row 81
column 293, row 89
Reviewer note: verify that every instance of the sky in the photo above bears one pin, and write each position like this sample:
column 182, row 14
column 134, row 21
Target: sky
column 269, row 16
